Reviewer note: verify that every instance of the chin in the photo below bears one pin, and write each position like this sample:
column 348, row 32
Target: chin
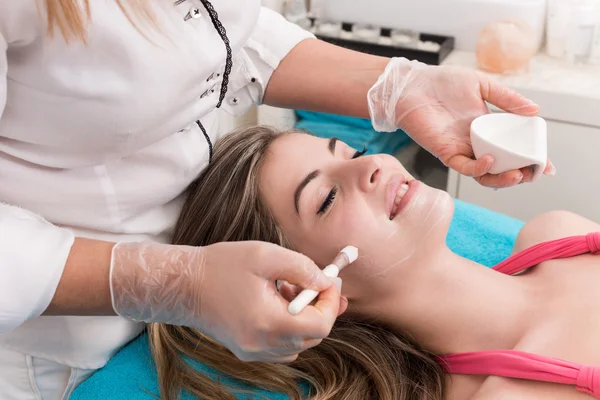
column 431, row 211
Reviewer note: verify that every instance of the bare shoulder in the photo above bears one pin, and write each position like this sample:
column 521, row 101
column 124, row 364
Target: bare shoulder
column 497, row 388
column 553, row 225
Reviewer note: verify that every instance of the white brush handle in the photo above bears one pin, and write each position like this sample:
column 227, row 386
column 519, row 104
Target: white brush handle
column 308, row 295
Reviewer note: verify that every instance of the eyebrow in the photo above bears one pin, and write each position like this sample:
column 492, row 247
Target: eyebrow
column 331, row 146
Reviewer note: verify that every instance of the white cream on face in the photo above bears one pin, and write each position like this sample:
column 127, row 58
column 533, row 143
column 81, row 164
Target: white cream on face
column 407, row 243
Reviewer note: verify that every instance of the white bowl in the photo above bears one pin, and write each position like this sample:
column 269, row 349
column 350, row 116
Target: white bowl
column 514, row 141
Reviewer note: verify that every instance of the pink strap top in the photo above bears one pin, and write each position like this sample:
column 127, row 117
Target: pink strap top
column 522, row 365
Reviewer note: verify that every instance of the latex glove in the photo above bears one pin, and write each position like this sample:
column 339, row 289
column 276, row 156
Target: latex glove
column 227, row 291
column 290, row 292
column 435, row 106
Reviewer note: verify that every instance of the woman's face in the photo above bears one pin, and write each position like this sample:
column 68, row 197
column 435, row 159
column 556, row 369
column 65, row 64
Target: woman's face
column 327, row 195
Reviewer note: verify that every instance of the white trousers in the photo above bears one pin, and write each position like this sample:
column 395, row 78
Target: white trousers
column 23, row 377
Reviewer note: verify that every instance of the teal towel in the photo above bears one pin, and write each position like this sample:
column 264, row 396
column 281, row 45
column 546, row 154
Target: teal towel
column 357, row 133
column 475, row 233
column 482, row 235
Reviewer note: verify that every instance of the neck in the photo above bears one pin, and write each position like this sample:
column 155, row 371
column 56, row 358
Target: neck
column 449, row 304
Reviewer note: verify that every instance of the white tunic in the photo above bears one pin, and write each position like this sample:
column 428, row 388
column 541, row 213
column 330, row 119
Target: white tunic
column 100, row 139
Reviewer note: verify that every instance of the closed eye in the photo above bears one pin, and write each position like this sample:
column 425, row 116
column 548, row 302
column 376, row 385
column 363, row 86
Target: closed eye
column 328, row 201
column 333, row 192
column 359, row 153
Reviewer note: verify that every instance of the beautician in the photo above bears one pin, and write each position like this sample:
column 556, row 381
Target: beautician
column 108, row 113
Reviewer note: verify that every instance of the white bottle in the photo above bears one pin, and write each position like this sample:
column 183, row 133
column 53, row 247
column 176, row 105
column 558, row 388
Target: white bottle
column 557, row 25
column 581, row 33
column 296, row 11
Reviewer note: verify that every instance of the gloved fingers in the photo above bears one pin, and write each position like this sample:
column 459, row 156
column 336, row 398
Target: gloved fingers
column 289, row 292
column 315, row 321
column 550, row 168
column 343, row 300
column 507, row 99
column 503, row 180
column 343, row 305
column 469, row 167
column 297, row 269
column 529, row 172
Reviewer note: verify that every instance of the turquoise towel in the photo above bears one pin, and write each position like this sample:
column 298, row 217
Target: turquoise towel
column 481, row 235
column 475, row 233
column 355, row 132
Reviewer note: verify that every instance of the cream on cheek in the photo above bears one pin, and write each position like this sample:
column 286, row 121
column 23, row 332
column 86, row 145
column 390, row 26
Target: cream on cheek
column 411, row 233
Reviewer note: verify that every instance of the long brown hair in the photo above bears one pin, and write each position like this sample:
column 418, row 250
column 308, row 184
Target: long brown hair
column 358, row 361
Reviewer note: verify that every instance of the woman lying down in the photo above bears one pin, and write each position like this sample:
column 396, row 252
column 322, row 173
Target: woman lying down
column 421, row 322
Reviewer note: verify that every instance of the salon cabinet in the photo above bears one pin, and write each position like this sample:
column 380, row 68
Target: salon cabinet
column 569, row 97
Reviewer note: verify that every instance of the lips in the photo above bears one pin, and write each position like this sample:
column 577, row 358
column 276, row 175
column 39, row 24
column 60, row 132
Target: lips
column 402, row 190
column 392, row 191
column 399, row 192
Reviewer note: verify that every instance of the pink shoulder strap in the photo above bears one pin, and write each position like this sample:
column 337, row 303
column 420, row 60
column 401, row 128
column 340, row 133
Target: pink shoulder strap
column 521, row 365
column 560, row 248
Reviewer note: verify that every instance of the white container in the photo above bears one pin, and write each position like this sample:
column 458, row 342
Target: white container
column 296, row 11
column 366, row 33
column 581, row 33
column 557, row 27
column 463, row 19
column 513, row 140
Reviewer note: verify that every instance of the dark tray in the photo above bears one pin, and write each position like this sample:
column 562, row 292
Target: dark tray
column 428, row 57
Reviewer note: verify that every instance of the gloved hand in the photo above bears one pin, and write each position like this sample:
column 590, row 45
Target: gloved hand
column 435, row 106
column 227, row 291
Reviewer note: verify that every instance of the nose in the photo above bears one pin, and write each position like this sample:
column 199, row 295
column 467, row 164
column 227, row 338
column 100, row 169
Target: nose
column 369, row 175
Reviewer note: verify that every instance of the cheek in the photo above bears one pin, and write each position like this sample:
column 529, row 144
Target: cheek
column 351, row 224
column 386, row 245
column 355, row 224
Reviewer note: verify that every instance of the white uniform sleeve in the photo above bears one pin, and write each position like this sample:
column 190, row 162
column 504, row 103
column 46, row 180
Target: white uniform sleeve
column 33, row 252
column 272, row 39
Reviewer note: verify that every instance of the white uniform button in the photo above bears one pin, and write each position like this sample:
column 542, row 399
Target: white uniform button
column 193, row 13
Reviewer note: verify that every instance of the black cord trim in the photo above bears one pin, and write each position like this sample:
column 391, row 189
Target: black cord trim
column 214, row 17
column 210, row 146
